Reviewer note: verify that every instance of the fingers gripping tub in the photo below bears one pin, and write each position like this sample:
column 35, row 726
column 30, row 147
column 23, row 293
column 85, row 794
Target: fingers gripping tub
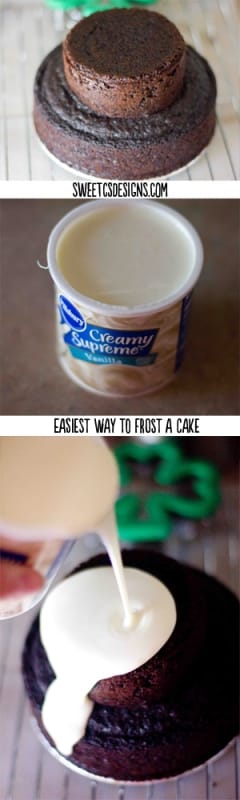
column 124, row 274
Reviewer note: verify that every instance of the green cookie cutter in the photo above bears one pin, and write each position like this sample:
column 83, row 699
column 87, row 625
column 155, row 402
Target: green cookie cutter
column 91, row 6
column 151, row 518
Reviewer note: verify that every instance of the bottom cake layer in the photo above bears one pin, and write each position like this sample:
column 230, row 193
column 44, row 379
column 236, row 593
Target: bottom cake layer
column 159, row 740
column 154, row 145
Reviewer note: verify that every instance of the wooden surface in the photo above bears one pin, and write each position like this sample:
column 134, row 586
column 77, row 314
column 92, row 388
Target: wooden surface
column 29, row 30
column 28, row 772
column 33, row 381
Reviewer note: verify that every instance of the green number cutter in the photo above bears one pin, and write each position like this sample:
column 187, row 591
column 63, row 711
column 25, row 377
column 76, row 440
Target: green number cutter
column 151, row 517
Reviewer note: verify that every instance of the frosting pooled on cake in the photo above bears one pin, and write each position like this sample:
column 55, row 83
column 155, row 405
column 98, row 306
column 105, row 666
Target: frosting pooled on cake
column 99, row 623
column 175, row 711
column 84, row 634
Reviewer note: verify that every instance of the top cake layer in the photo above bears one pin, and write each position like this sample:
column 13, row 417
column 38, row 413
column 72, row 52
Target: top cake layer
column 125, row 62
column 160, row 676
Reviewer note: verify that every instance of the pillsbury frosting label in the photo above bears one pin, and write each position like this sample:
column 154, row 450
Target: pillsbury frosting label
column 71, row 315
column 98, row 345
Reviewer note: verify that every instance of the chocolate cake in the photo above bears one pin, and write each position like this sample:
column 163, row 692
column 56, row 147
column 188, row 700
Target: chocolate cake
column 124, row 63
column 178, row 709
column 130, row 148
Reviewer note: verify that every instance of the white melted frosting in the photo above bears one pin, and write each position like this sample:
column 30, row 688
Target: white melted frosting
column 86, row 639
column 101, row 622
column 52, row 487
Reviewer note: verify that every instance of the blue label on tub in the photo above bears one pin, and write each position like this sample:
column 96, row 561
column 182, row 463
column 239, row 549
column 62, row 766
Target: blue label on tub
column 98, row 345
column 70, row 314
column 186, row 303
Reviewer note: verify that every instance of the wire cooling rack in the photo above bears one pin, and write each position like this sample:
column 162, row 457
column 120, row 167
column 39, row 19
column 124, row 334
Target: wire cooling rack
column 27, row 770
column 29, row 30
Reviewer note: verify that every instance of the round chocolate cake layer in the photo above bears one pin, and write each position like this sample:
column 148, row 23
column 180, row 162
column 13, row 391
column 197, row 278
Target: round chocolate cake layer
column 159, row 677
column 160, row 739
column 124, row 62
column 154, row 145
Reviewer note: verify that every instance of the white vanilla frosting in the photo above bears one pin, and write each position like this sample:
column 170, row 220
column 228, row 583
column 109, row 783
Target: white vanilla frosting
column 125, row 255
column 52, row 487
column 100, row 622
column 84, row 634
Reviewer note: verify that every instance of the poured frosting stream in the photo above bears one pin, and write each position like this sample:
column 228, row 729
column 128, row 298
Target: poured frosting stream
column 86, row 640
column 99, row 622
column 96, row 624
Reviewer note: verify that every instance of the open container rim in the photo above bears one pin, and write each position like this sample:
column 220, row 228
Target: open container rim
column 114, row 310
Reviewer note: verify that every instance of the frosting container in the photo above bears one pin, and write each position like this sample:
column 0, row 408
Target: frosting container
column 124, row 272
column 52, row 491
